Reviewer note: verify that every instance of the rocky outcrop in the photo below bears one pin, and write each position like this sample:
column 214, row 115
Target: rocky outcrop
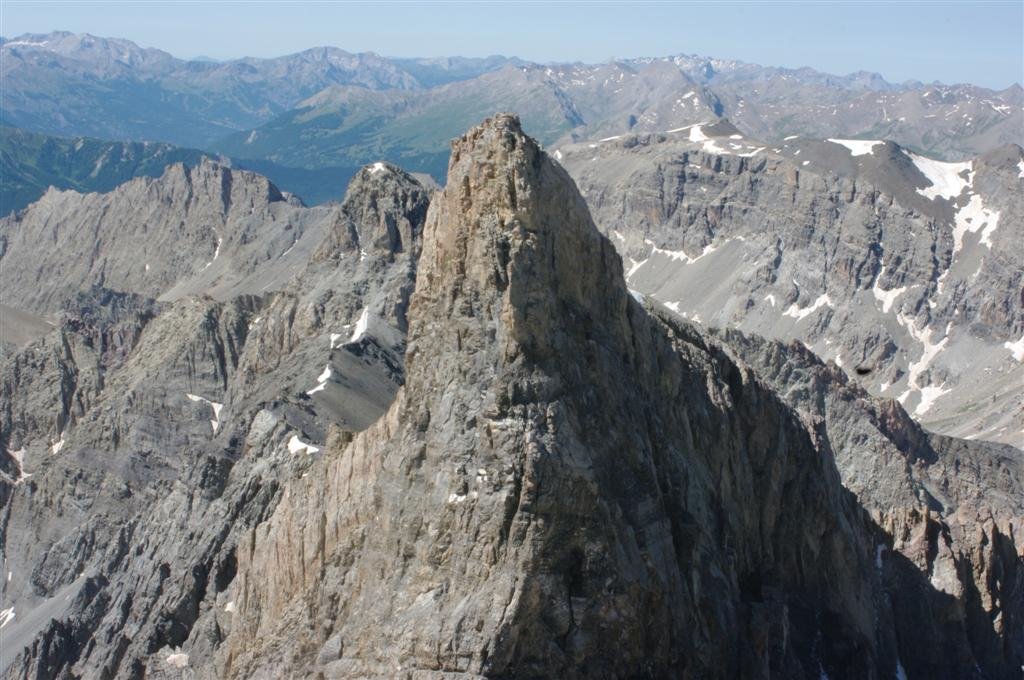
column 954, row 508
column 195, row 230
column 901, row 269
column 478, row 454
column 566, row 486
column 149, row 436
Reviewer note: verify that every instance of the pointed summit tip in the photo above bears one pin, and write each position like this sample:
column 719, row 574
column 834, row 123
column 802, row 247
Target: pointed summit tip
column 502, row 122
column 502, row 130
column 510, row 237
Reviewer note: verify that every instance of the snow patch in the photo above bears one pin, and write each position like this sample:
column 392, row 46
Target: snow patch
column 334, row 339
column 6, row 616
column 681, row 255
column 26, row 43
column 886, row 297
column 697, row 134
column 945, row 177
column 635, row 266
column 858, row 147
column 770, row 298
column 216, row 251
column 929, row 393
column 215, row 423
column 296, row 445
column 799, row 313
column 378, row 167
column 58, row 445
column 1016, row 348
column 361, row 325
column 321, row 380
column 974, row 217
column 177, row 659
column 928, row 396
column 19, row 458
column 230, row 607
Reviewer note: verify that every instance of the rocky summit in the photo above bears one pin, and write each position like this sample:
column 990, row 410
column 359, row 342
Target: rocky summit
column 444, row 439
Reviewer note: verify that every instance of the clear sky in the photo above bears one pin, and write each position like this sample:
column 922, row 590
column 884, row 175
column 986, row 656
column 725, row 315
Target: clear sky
column 976, row 42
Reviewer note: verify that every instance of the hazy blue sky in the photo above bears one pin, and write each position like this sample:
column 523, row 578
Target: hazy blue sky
column 977, row 42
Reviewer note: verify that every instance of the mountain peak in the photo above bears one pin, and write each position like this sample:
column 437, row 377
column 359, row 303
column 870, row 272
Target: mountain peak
column 382, row 212
column 559, row 452
column 511, row 235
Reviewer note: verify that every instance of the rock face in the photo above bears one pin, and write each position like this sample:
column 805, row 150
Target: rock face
column 195, row 230
column 504, row 466
column 952, row 507
column 903, row 270
column 569, row 487
column 141, row 438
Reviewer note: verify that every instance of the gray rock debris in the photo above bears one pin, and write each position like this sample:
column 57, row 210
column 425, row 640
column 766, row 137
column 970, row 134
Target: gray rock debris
column 567, row 483
column 150, row 435
column 904, row 271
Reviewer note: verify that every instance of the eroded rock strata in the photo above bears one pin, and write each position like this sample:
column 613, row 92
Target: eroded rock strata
column 456, row 445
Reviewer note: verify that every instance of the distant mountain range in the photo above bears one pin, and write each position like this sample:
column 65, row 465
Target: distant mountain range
column 325, row 109
column 77, row 84
column 31, row 162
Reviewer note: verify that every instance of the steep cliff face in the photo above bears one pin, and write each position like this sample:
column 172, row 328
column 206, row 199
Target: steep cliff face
column 142, row 437
column 456, row 444
column 903, row 270
column 567, row 486
column 954, row 508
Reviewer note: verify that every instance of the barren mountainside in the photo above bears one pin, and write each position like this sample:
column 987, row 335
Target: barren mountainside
column 904, row 270
column 429, row 436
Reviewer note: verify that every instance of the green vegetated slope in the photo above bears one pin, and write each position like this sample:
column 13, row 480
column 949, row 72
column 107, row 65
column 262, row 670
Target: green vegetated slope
column 347, row 126
column 31, row 162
